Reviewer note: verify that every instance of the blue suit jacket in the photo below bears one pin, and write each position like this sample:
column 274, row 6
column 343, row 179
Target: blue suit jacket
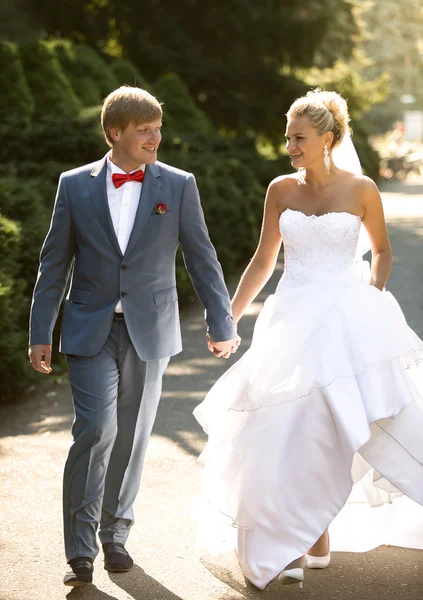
column 82, row 240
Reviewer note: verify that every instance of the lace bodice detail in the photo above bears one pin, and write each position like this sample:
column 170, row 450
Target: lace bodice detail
column 318, row 249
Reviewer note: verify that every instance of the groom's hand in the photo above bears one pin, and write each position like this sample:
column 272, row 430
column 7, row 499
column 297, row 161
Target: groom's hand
column 223, row 349
column 38, row 352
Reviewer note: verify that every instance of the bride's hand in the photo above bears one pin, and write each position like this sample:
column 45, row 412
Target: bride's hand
column 223, row 349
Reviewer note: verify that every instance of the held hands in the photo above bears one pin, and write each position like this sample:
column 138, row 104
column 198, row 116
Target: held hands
column 224, row 349
column 36, row 353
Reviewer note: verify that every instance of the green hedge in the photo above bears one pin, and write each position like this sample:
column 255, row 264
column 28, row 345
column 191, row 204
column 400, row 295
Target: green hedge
column 16, row 101
column 84, row 85
column 28, row 202
column 181, row 114
column 127, row 73
column 69, row 141
column 13, row 305
column 94, row 66
column 24, row 221
column 52, row 92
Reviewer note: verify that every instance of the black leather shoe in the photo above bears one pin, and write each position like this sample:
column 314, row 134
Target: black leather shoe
column 116, row 558
column 81, row 573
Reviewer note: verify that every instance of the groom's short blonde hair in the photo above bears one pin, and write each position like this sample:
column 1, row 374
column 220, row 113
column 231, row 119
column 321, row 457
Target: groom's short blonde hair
column 128, row 105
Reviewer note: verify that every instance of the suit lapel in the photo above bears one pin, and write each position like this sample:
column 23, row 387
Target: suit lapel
column 98, row 188
column 149, row 192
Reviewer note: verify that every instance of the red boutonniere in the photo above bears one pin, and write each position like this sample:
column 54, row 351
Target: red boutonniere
column 160, row 209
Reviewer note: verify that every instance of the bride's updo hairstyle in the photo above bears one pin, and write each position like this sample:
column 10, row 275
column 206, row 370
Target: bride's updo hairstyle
column 327, row 111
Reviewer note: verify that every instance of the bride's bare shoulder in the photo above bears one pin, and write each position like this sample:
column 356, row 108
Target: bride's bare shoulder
column 280, row 189
column 288, row 179
column 284, row 183
column 362, row 183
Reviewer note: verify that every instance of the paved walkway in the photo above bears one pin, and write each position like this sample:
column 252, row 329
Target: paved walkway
column 34, row 437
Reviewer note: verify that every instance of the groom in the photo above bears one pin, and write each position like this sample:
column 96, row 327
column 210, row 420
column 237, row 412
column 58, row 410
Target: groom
column 116, row 226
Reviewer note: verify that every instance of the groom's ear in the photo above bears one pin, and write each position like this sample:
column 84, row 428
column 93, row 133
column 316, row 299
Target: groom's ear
column 114, row 133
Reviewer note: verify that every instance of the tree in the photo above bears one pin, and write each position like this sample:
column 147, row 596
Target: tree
column 16, row 24
column 393, row 44
column 237, row 62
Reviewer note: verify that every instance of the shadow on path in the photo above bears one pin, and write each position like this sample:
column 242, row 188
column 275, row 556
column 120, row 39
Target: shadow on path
column 137, row 584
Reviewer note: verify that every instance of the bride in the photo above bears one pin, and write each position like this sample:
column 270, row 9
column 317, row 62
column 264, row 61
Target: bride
column 328, row 395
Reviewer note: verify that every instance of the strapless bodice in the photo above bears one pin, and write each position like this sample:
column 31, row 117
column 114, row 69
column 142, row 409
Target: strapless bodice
column 318, row 249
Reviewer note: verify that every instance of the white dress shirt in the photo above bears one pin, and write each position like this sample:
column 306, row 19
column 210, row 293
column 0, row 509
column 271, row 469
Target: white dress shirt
column 123, row 204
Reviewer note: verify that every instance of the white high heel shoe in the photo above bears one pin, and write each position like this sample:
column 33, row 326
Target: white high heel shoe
column 294, row 572
column 317, row 562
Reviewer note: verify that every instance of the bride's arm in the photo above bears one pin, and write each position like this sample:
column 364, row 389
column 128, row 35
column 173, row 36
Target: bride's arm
column 264, row 260
column 374, row 222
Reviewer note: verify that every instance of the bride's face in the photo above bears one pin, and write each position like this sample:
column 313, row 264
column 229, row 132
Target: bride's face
column 304, row 144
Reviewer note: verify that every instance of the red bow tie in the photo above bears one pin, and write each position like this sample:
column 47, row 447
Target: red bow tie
column 121, row 178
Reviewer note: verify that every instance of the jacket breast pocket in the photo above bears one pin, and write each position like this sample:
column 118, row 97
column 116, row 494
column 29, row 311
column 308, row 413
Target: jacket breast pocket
column 80, row 296
column 165, row 296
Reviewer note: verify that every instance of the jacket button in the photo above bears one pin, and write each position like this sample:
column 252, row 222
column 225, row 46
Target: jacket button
column 123, row 294
column 123, row 267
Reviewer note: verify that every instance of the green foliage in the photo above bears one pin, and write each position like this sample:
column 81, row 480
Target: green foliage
column 16, row 102
column 369, row 157
column 180, row 110
column 50, row 87
column 16, row 23
column 346, row 80
column 232, row 59
column 10, row 236
column 28, row 202
column 13, row 339
column 392, row 42
column 26, row 210
column 94, row 66
column 83, row 84
column 127, row 74
column 67, row 141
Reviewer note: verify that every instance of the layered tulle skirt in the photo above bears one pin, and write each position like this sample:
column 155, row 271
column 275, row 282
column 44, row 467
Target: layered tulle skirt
column 329, row 394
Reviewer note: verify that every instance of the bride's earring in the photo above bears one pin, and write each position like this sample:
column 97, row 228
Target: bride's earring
column 326, row 160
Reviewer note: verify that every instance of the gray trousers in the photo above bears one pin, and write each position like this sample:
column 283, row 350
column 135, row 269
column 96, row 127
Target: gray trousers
column 116, row 396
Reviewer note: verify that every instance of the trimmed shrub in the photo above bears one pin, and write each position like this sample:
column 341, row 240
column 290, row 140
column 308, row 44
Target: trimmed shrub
column 127, row 74
column 83, row 84
column 68, row 141
column 52, row 92
column 16, row 373
column 182, row 115
column 16, row 101
column 29, row 202
column 93, row 66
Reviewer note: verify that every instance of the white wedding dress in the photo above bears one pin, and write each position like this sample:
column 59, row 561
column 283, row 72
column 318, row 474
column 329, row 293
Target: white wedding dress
column 329, row 394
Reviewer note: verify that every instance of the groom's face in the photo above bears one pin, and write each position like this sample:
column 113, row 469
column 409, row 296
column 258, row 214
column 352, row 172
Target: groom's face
column 138, row 144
